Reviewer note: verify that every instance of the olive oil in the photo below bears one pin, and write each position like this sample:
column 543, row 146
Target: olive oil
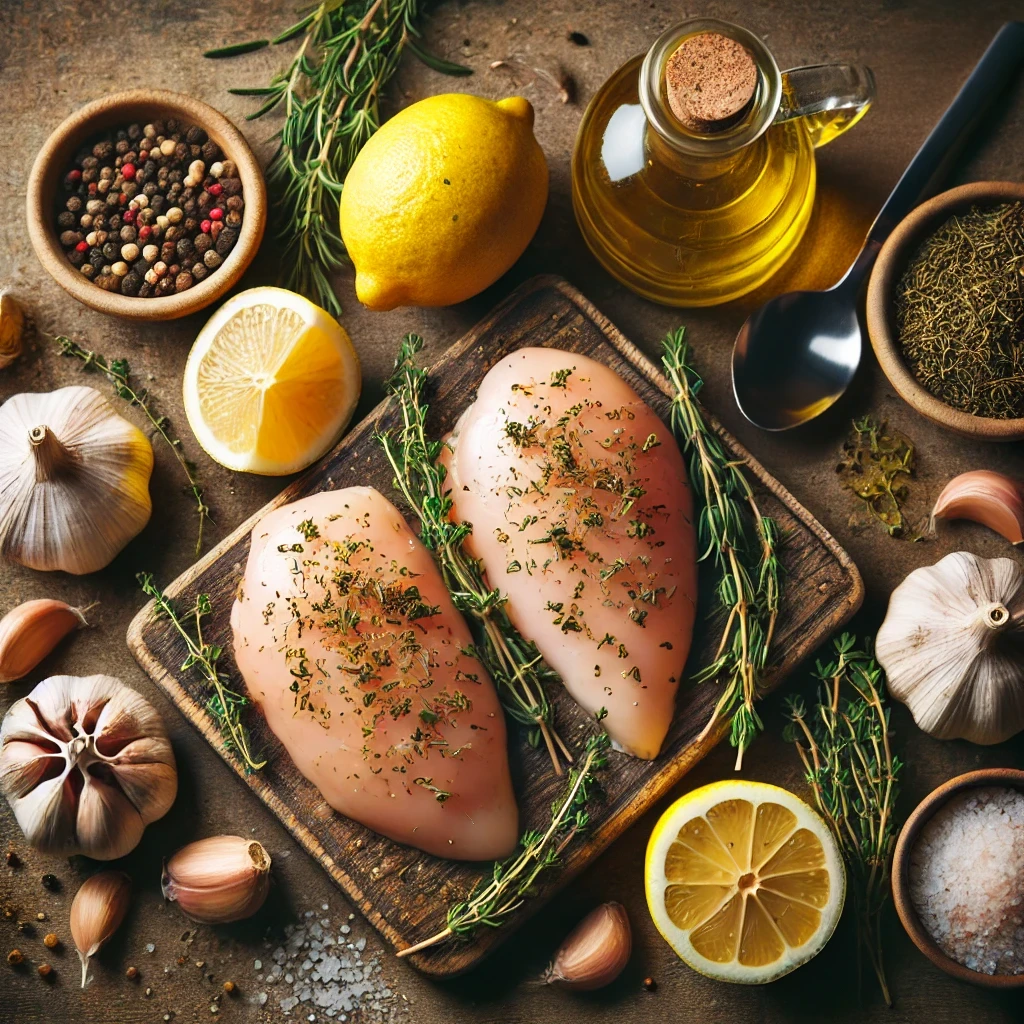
column 692, row 219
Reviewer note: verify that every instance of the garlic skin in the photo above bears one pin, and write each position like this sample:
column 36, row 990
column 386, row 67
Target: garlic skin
column 12, row 327
column 595, row 951
column 98, row 909
column 74, row 480
column 86, row 765
column 985, row 497
column 29, row 632
column 952, row 646
column 218, row 880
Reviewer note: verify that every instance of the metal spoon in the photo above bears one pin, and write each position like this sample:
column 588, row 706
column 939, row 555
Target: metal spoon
column 797, row 354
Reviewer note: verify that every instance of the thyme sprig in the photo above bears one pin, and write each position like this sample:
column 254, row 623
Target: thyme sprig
column 225, row 705
column 514, row 662
column 512, row 880
column 742, row 543
column 853, row 773
column 118, row 373
column 348, row 50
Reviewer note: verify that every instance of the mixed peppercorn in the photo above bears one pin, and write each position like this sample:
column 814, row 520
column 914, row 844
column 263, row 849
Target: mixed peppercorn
column 150, row 210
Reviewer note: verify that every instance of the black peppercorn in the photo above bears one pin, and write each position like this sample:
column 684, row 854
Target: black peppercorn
column 226, row 240
column 76, row 258
column 182, row 281
column 70, row 238
column 165, row 286
column 231, row 186
column 167, row 252
column 199, row 271
column 213, row 259
column 74, row 204
column 13, row 860
column 131, row 283
column 103, row 150
column 195, row 135
column 111, row 250
column 135, row 132
column 97, row 259
column 128, row 233
column 184, row 248
column 235, row 203
column 122, row 147
column 211, row 152
column 51, row 882
column 203, row 242
column 65, row 219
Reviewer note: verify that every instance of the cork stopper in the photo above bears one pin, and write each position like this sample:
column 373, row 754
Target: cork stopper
column 710, row 81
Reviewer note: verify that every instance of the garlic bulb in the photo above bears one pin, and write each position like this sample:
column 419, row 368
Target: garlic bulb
column 29, row 632
column 952, row 646
column 218, row 880
column 86, row 765
column 74, row 480
column 97, row 912
column 985, row 497
column 595, row 951
column 12, row 325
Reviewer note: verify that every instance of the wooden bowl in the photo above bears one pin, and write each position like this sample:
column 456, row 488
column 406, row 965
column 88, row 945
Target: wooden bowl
column 889, row 267
column 1008, row 777
column 116, row 111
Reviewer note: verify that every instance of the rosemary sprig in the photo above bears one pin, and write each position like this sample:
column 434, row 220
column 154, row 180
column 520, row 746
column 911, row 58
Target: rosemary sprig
column 330, row 92
column 512, row 880
column 514, row 662
column 742, row 543
column 118, row 373
column 224, row 704
column 853, row 773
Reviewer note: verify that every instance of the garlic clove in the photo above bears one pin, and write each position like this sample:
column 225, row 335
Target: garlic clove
column 595, row 951
column 29, row 632
column 12, row 327
column 218, row 880
column 98, row 909
column 150, row 786
column 985, row 497
column 107, row 823
column 45, row 816
column 24, row 765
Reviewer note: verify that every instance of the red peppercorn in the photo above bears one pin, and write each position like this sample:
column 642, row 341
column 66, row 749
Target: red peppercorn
column 122, row 199
column 128, row 172
column 93, row 188
column 75, row 175
column 82, row 247
column 216, row 213
column 205, row 226
column 215, row 189
column 145, row 231
column 130, row 215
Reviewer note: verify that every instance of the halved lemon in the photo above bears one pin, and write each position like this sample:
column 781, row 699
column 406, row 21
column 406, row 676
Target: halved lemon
column 744, row 880
column 271, row 382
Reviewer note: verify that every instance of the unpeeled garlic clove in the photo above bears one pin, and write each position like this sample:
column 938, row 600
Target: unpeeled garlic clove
column 97, row 912
column 985, row 497
column 218, row 880
column 595, row 951
column 12, row 326
column 29, row 632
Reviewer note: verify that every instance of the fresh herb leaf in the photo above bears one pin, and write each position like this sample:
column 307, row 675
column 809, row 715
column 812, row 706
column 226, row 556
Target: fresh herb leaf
column 854, row 776
column 742, row 543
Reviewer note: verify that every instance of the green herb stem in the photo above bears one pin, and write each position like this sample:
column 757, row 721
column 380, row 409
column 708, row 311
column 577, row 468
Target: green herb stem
column 224, row 704
column 742, row 543
column 845, row 750
column 513, row 661
column 330, row 92
column 118, row 373
column 512, row 880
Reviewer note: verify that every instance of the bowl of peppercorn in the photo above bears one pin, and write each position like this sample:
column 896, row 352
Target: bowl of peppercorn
column 146, row 204
column 945, row 309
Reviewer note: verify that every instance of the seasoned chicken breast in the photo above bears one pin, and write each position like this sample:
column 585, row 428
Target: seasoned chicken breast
column 349, row 642
column 582, row 515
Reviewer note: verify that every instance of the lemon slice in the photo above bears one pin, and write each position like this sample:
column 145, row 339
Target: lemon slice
column 271, row 382
column 744, row 880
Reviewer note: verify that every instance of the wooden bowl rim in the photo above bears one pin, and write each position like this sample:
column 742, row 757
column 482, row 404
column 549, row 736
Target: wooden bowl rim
column 921, row 815
column 108, row 111
column 884, row 277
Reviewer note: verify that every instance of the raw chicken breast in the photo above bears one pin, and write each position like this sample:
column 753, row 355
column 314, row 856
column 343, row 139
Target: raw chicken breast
column 582, row 515
column 348, row 640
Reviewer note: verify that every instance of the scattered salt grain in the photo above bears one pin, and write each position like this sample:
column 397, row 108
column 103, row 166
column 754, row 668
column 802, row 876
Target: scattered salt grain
column 967, row 879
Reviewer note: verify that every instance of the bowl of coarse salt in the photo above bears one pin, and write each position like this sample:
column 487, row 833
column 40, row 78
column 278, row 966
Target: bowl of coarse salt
column 958, row 877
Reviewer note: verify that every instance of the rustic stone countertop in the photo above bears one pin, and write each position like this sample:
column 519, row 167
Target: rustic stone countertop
column 57, row 55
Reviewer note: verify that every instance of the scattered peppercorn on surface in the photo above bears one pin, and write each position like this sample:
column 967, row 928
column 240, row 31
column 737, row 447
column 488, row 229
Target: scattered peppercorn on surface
column 271, row 382
column 744, row 880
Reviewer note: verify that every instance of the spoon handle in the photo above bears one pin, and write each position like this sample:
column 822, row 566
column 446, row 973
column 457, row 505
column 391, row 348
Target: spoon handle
column 1001, row 62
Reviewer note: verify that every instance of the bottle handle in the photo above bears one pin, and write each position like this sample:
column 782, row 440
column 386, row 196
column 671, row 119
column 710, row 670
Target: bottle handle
column 829, row 97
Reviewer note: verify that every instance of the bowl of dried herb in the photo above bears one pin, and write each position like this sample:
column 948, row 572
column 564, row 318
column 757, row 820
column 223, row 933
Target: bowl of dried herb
column 146, row 204
column 945, row 310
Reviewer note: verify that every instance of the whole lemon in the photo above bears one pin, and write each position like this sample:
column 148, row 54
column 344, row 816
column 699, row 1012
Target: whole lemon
column 442, row 200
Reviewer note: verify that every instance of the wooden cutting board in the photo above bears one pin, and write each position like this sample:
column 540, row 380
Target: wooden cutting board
column 404, row 893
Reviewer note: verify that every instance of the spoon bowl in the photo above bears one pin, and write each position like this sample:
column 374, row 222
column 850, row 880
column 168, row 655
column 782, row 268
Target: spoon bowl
column 795, row 356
